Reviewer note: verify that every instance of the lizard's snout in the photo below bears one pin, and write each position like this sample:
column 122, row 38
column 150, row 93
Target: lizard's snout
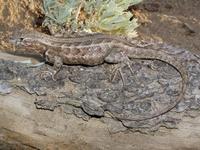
column 15, row 41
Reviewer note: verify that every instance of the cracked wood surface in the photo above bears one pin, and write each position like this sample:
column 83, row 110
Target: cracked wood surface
column 22, row 123
column 34, row 128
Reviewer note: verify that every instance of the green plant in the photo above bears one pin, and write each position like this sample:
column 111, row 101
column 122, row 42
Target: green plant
column 91, row 15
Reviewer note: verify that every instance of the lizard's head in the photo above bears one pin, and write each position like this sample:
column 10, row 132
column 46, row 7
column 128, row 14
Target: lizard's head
column 22, row 38
column 29, row 40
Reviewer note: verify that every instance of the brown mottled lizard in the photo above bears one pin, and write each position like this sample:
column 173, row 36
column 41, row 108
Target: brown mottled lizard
column 95, row 49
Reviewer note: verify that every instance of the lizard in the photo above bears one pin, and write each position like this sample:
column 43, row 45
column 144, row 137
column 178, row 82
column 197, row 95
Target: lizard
column 95, row 49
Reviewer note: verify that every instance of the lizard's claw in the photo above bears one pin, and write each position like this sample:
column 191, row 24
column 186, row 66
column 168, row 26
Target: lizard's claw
column 118, row 70
column 46, row 74
column 127, row 61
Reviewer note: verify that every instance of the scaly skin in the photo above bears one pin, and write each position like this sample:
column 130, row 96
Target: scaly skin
column 94, row 49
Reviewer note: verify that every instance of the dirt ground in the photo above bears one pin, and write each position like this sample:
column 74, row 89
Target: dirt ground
column 176, row 22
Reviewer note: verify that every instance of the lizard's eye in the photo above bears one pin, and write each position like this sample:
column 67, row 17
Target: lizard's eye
column 21, row 39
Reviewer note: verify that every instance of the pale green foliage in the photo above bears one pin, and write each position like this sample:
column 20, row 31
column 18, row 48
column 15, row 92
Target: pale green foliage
column 100, row 15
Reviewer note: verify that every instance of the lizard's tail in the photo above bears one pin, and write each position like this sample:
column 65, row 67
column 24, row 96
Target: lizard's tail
column 142, row 53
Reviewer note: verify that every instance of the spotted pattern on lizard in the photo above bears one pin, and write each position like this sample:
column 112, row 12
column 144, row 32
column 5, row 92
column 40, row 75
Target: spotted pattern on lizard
column 95, row 49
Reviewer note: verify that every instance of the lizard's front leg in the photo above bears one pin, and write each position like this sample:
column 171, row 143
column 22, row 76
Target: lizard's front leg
column 57, row 65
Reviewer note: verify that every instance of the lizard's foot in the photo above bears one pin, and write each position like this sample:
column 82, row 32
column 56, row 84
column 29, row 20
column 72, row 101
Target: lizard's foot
column 45, row 75
column 53, row 72
column 114, row 74
column 125, row 62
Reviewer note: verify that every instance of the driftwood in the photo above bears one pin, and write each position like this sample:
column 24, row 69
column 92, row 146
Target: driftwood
column 40, row 113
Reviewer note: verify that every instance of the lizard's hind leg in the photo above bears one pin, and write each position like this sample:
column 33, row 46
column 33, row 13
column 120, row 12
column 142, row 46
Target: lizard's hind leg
column 121, row 59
